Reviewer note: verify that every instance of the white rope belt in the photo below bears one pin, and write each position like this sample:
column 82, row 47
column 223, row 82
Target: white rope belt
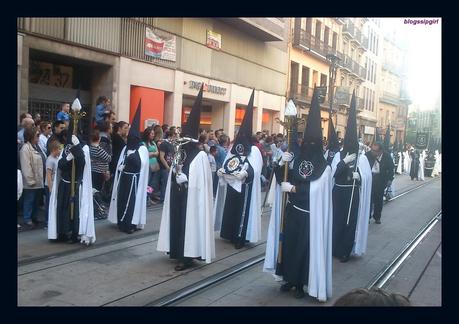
column 134, row 180
column 344, row 186
column 78, row 182
column 298, row 208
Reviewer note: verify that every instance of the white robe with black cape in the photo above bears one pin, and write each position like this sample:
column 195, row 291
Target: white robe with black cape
column 253, row 234
column 199, row 226
column 320, row 236
column 139, row 217
column 86, row 209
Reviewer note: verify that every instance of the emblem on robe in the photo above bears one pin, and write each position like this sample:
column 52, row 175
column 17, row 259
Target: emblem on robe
column 180, row 156
column 67, row 149
column 240, row 149
column 233, row 164
column 305, row 169
column 331, row 154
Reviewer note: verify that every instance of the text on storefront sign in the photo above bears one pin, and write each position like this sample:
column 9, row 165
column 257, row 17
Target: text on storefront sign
column 208, row 88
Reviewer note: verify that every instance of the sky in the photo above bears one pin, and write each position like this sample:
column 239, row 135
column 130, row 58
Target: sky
column 423, row 59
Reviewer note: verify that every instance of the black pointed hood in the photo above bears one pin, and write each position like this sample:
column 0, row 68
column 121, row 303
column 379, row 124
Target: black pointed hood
column 191, row 128
column 311, row 163
column 351, row 142
column 387, row 139
column 333, row 143
column 243, row 142
column 134, row 137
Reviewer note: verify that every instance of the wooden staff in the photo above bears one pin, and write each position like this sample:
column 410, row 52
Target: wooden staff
column 76, row 115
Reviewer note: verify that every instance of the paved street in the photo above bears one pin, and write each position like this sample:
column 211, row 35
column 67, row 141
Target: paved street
column 123, row 269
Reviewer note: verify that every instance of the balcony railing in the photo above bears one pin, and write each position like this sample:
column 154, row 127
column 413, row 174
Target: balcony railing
column 303, row 93
column 349, row 29
column 343, row 97
column 310, row 42
column 352, row 66
column 365, row 42
column 390, row 98
column 391, row 68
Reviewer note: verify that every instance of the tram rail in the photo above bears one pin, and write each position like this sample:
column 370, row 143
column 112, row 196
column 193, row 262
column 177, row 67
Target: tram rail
column 215, row 279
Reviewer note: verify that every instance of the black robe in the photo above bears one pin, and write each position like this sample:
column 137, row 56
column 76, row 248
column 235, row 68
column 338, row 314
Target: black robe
column 234, row 210
column 344, row 234
column 414, row 169
column 294, row 266
column 127, row 191
column 68, row 228
column 178, row 203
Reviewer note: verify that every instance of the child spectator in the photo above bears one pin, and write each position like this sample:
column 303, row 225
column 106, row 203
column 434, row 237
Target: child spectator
column 213, row 167
column 51, row 167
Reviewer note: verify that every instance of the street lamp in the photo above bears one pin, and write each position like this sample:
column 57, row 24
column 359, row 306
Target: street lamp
column 331, row 82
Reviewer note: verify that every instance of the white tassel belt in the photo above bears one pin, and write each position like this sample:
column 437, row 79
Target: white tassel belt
column 344, row 186
column 69, row 181
column 298, row 208
column 133, row 187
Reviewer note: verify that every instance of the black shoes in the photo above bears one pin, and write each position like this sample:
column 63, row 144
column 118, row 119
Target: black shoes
column 239, row 245
column 299, row 293
column 286, row 287
column 184, row 265
column 377, row 221
column 344, row 259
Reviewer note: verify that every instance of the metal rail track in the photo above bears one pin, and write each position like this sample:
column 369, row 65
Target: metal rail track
column 381, row 279
column 214, row 280
column 210, row 281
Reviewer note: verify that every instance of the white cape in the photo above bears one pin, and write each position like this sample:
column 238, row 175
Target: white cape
column 407, row 162
column 320, row 239
column 399, row 166
column 86, row 226
column 421, row 166
column 139, row 216
column 437, row 166
column 199, row 226
column 254, row 222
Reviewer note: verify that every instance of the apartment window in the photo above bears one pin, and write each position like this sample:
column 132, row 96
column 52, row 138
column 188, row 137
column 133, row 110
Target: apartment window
column 323, row 80
column 367, row 68
column 309, row 25
column 318, row 29
column 294, row 68
column 374, row 102
column 305, row 77
column 326, row 36
column 315, row 78
column 335, row 41
column 344, row 47
column 375, row 74
column 367, row 105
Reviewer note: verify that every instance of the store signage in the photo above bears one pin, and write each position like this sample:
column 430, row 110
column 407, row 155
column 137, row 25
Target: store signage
column 50, row 74
column 214, row 40
column 160, row 47
column 369, row 130
column 207, row 87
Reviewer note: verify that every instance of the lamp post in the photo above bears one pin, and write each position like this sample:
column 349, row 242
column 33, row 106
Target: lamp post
column 331, row 83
